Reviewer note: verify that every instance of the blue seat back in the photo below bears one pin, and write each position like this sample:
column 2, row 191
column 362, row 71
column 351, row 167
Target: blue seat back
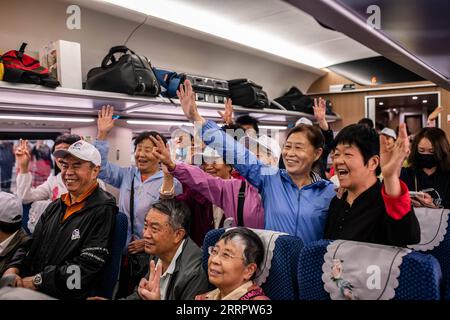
column 26, row 217
column 110, row 273
column 420, row 275
column 281, row 284
column 442, row 254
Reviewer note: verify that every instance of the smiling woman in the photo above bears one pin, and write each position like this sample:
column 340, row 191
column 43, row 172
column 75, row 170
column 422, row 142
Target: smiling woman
column 233, row 264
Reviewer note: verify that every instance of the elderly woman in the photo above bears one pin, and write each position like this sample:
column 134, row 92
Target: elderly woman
column 233, row 264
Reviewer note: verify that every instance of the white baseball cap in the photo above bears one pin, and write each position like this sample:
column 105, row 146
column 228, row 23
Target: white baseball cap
column 210, row 153
column 264, row 141
column 270, row 144
column 304, row 120
column 389, row 132
column 10, row 208
column 82, row 150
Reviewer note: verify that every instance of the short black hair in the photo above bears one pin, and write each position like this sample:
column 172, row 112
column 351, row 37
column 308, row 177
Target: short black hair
column 248, row 120
column 178, row 212
column 363, row 137
column 235, row 127
column 66, row 138
column 254, row 247
column 10, row 228
column 146, row 135
column 366, row 121
column 379, row 126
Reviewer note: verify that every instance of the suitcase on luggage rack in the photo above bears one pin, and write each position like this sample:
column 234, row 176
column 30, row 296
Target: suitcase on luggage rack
column 248, row 94
column 209, row 89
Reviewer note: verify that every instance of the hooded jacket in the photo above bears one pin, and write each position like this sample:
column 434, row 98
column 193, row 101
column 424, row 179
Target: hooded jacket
column 70, row 254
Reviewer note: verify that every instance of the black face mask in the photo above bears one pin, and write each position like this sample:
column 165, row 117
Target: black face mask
column 426, row 161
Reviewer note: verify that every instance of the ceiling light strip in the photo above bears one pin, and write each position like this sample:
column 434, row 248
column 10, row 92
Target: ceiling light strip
column 38, row 118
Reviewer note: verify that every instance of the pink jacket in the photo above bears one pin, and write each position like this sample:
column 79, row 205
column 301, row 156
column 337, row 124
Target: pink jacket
column 223, row 193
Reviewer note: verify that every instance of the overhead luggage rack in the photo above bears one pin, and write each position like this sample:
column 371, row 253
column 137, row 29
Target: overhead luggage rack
column 34, row 99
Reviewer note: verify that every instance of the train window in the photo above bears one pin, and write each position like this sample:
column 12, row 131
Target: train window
column 38, row 161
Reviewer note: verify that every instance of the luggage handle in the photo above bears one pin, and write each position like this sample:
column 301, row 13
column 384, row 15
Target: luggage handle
column 237, row 82
column 19, row 53
column 110, row 56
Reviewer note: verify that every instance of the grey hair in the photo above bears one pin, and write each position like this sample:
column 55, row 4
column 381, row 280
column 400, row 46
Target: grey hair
column 252, row 245
column 178, row 212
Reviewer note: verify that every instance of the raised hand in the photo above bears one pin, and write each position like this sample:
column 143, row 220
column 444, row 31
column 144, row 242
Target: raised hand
column 435, row 113
column 320, row 108
column 105, row 122
column 23, row 156
column 162, row 153
column 149, row 289
column 391, row 160
column 187, row 100
column 227, row 116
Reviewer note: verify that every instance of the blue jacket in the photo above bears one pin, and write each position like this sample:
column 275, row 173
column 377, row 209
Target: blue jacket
column 298, row 212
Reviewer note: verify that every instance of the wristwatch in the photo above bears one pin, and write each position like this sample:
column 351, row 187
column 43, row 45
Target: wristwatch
column 37, row 280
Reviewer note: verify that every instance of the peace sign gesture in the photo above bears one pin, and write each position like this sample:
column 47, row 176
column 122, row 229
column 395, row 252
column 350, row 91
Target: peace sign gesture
column 23, row 156
column 149, row 289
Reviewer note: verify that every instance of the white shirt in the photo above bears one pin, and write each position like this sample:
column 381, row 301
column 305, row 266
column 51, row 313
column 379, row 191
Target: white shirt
column 51, row 189
column 6, row 242
column 165, row 278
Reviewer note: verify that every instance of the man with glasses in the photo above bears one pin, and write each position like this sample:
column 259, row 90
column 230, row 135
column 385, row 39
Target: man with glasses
column 72, row 238
column 176, row 271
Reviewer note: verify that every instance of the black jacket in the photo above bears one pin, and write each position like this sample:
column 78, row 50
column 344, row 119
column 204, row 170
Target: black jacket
column 20, row 241
column 188, row 279
column 367, row 221
column 437, row 184
column 81, row 242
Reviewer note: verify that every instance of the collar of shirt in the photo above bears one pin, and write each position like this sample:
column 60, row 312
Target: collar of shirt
column 173, row 263
column 164, row 282
column 316, row 180
column 373, row 190
column 6, row 242
column 79, row 203
column 155, row 176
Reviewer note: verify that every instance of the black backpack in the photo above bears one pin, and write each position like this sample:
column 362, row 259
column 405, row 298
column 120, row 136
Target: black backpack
column 131, row 74
column 295, row 100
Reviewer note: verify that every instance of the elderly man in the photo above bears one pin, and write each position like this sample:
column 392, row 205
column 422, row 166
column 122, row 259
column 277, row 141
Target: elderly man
column 176, row 267
column 12, row 236
column 72, row 239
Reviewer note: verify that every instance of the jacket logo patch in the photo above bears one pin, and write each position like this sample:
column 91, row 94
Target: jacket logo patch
column 76, row 234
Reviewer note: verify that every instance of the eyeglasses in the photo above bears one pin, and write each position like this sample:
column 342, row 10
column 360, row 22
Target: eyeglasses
column 214, row 251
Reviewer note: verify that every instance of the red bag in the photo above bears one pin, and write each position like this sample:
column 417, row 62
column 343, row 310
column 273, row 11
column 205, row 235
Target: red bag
column 22, row 68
